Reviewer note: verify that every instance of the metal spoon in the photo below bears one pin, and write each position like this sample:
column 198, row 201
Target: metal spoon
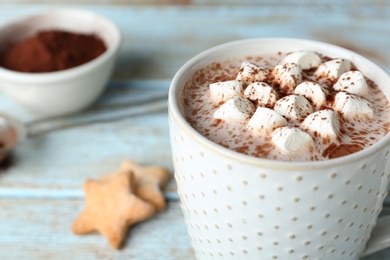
column 13, row 131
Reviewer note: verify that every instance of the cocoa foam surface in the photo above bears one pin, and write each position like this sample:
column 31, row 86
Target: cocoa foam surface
column 199, row 109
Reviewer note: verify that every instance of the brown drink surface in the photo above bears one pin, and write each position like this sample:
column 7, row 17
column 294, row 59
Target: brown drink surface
column 199, row 109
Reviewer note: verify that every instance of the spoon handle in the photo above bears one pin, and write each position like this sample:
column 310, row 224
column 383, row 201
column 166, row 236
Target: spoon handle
column 108, row 114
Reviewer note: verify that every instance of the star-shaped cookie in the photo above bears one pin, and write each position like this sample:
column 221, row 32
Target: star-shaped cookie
column 111, row 207
column 149, row 181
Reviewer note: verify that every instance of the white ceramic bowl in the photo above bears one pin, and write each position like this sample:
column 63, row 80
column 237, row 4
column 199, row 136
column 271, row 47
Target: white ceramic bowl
column 66, row 91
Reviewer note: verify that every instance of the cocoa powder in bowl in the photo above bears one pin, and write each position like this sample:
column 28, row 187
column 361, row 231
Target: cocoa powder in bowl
column 52, row 50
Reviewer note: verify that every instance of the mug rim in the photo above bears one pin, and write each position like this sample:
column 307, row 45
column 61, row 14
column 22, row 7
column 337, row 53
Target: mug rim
column 175, row 114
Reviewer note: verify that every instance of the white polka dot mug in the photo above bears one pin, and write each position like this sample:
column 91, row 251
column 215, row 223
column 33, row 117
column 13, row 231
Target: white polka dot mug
column 240, row 207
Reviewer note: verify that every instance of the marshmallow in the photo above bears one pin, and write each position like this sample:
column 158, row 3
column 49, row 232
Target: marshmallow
column 223, row 91
column 237, row 109
column 352, row 82
column 261, row 92
column 305, row 59
column 291, row 140
column 323, row 123
column 333, row 69
column 352, row 107
column 293, row 107
column 312, row 91
column 250, row 73
column 287, row 75
column 265, row 120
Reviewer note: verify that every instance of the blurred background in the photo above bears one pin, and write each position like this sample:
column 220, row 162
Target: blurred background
column 160, row 35
column 42, row 188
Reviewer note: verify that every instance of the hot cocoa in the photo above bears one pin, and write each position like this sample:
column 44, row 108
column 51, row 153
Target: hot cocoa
column 299, row 106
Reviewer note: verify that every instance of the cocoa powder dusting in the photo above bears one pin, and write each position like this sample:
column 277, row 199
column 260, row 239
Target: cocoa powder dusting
column 355, row 134
column 345, row 149
column 49, row 51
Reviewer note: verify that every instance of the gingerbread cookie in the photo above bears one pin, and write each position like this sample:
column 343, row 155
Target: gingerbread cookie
column 111, row 207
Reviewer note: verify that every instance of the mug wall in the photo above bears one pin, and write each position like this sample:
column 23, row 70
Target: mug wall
column 236, row 206
column 236, row 210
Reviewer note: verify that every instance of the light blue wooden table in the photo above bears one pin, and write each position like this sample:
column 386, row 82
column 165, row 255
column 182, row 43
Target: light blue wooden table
column 41, row 189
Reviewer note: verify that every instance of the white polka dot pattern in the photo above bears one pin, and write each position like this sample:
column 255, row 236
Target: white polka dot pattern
column 247, row 211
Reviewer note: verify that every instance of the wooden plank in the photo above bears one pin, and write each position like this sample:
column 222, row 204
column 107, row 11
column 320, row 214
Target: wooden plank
column 374, row 4
column 101, row 2
column 97, row 142
column 49, row 170
column 40, row 229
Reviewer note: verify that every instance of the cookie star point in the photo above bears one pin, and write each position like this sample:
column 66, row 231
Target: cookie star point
column 111, row 207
